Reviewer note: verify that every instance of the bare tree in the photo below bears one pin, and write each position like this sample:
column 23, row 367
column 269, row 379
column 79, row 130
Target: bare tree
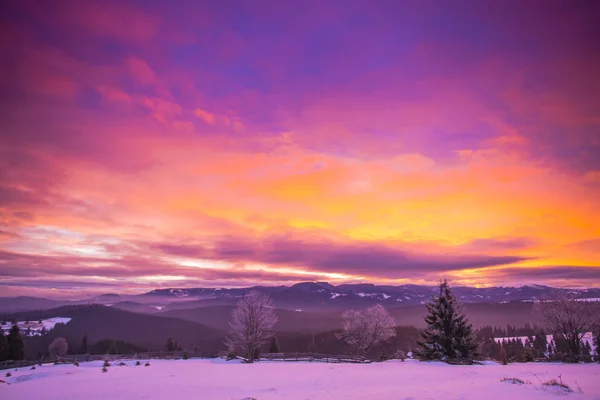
column 58, row 347
column 251, row 324
column 365, row 328
column 570, row 319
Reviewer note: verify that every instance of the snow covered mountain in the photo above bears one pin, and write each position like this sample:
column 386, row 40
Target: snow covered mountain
column 323, row 294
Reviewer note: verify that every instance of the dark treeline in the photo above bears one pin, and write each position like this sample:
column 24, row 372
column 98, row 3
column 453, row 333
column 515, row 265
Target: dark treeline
column 533, row 347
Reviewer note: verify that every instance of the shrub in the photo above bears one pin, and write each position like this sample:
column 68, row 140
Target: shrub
column 138, row 363
column 400, row 355
column 8, row 374
column 147, row 364
column 186, row 356
column 558, row 383
column 106, row 364
column 122, row 364
column 104, row 369
column 515, row 381
column 76, row 364
column 58, row 348
column 32, row 368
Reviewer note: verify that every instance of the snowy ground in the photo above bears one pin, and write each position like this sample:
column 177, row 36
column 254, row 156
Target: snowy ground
column 218, row 379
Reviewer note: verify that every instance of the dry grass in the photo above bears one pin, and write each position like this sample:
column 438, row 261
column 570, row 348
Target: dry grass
column 515, row 381
column 558, row 383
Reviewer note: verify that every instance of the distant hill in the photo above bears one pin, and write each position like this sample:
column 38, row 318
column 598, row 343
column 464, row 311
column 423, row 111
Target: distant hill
column 25, row 303
column 323, row 296
column 289, row 321
column 480, row 314
column 102, row 322
column 306, row 296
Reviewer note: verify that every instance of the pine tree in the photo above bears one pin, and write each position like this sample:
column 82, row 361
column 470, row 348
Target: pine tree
column 113, row 348
column 170, row 346
column 16, row 345
column 448, row 333
column 83, row 349
column 312, row 347
column 597, row 343
column 274, row 347
column 3, row 346
column 586, row 351
column 540, row 344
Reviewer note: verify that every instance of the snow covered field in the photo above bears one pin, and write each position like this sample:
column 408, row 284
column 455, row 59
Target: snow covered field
column 35, row 327
column 218, row 379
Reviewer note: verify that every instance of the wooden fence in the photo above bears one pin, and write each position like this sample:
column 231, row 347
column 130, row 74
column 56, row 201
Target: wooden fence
column 175, row 355
column 328, row 358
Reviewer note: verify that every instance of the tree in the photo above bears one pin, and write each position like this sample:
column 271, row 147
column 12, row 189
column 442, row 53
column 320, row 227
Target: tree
column 365, row 328
column 312, row 347
column 113, row 348
column 503, row 356
column 569, row 319
column 540, row 343
column 83, row 349
column 16, row 345
column 448, row 333
column 170, row 346
column 251, row 324
column 274, row 347
column 58, row 348
column 597, row 342
column 3, row 346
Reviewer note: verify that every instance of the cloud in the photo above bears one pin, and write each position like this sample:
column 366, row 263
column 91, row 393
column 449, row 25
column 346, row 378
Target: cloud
column 401, row 140
column 141, row 71
column 376, row 260
column 205, row 116
column 500, row 244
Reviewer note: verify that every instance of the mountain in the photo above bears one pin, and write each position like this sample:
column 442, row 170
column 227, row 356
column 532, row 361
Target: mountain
column 324, row 296
column 100, row 322
column 319, row 297
column 24, row 303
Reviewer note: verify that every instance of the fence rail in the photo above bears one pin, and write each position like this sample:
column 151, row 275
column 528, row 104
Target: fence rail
column 174, row 355
column 328, row 358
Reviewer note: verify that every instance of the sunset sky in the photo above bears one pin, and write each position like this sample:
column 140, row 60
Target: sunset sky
column 148, row 144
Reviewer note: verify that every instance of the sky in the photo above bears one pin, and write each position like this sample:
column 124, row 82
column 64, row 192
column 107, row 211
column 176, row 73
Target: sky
column 148, row 144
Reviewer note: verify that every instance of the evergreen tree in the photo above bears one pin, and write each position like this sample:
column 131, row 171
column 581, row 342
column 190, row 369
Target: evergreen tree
column 83, row 349
column 3, row 346
column 597, row 342
column 16, row 345
column 113, row 348
column 312, row 347
column 586, row 351
column 274, row 347
column 170, row 346
column 448, row 333
column 540, row 344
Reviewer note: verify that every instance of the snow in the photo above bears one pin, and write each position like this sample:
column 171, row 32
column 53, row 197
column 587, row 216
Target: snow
column 587, row 338
column 179, row 292
column 36, row 327
column 219, row 379
column 334, row 295
column 383, row 295
column 159, row 308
